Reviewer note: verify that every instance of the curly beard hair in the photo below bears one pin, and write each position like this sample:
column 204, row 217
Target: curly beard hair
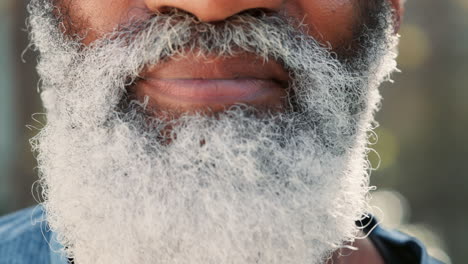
column 238, row 187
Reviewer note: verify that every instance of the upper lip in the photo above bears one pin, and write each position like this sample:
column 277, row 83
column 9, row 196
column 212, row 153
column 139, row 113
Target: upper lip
column 244, row 66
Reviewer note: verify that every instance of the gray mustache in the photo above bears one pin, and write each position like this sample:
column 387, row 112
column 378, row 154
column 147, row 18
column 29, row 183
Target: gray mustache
column 179, row 33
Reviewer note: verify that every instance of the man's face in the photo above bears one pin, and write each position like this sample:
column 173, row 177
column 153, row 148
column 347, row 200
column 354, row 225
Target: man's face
column 176, row 85
column 208, row 131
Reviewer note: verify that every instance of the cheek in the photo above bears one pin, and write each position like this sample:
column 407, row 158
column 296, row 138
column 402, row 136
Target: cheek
column 329, row 21
column 95, row 18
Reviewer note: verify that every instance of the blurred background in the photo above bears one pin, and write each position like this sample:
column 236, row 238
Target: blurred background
column 421, row 181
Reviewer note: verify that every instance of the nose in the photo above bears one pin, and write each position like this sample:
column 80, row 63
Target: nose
column 213, row 10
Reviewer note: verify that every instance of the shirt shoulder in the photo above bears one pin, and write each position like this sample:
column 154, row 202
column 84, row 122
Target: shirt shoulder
column 396, row 247
column 24, row 237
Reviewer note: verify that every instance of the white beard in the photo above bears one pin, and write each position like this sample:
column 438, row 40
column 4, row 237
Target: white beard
column 282, row 188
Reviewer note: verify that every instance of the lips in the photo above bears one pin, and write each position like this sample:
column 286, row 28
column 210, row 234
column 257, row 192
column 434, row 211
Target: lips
column 213, row 90
column 194, row 83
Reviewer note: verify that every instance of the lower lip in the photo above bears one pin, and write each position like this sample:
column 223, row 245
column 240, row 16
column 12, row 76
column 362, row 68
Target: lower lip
column 213, row 91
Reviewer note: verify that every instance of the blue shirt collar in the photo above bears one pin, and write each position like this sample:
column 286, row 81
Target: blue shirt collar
column 57, row 254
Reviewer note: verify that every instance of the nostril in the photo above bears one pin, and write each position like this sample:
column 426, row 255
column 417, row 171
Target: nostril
column 257, row 12
column 170, row 11
column 165, row 10
column 215, row 10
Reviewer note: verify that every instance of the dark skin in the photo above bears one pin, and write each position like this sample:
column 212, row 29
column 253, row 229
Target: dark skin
column 330, row 21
